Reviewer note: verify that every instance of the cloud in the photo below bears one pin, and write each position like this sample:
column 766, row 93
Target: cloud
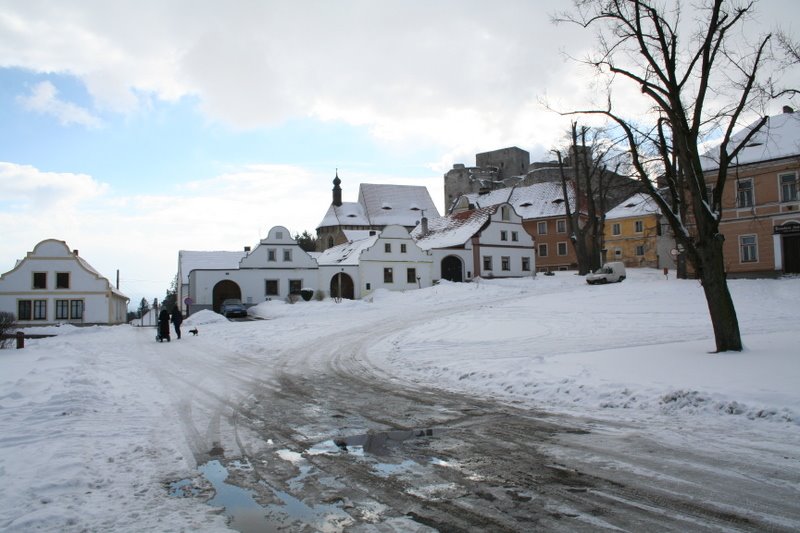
column 44, row 99
column 27, row 188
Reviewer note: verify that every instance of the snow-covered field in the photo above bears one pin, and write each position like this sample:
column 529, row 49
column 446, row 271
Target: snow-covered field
column 89, row 420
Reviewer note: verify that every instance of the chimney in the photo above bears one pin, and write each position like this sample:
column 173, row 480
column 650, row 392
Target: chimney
column 371, row 232
column 247, row 249
column 337, row 191
column 74, row 252
column 424, row 225
column 787, row 109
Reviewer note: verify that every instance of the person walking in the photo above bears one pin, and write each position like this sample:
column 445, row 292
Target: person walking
column 163, row 325
column 177, row 320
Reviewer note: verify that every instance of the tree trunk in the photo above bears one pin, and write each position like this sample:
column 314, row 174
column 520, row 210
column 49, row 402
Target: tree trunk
column 718, row 297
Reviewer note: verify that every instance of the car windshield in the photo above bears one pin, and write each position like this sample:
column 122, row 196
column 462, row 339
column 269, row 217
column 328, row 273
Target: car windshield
column 231, row 302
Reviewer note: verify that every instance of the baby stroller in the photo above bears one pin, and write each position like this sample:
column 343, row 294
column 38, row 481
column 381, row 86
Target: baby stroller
column 162, row 333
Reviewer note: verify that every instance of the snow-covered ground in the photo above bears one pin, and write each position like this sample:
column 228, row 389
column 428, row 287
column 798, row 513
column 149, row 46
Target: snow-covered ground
column 90, row 432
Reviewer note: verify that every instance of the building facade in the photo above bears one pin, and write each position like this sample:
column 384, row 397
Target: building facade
column 636, row 234
column 54, row 285
column 761, row 205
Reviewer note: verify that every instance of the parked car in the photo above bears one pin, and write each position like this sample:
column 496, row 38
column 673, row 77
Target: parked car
column 608, row 273
column 232, row 308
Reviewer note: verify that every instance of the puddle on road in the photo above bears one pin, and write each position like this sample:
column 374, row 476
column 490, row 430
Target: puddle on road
column 248, row 516
column 373, row 443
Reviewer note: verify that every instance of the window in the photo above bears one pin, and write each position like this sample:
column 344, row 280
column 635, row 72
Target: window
column 330, row 242
column 503, row 235
column 562, row 248
column 561, row 226
column 639, row 250
column 638, row 226
column 788, row 188
column 387, row 247
column 748, row 248
column 526, row 264
column 271, row 256
column 542, row 250
column 295, row 285
column 279, row 235
column 388, row 275
column 76, row 309
column 505, row 213
column 618, row 252
column 24, row 310
column 62, row 280
column 411, row 275
column 270, row 287
column 541, row 228
column 505, row 263
column 616, row 229
column 40, row 280
column 487, row 262
column 514, row 236
column 62, row 309
column 744, row 193
column 40, row 309
column 287, row 255
column 403, row 249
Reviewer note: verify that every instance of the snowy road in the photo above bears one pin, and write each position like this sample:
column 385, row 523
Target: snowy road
column 455, row 462
column 457, row 408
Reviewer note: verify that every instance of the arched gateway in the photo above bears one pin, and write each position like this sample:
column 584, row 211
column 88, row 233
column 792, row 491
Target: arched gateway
column 452, row 268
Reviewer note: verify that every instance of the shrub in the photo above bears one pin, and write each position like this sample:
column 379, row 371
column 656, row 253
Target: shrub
column 307, row 294
column 7, row 327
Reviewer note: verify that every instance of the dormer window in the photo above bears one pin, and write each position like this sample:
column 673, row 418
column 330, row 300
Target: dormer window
column 351, row 215
column 385, row 206
column 414, row 207
column 279, row 235
column 526, row 204
column 558, row 201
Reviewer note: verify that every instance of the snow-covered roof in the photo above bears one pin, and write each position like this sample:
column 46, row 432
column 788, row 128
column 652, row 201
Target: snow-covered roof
column 347, row 214
column 396, row 204
column 639, row 204
column 454, row 229
column 778, row 138
column 192, row 260
column 532, row 201
column 347, row 253
column 358, row 234
column 382, row 205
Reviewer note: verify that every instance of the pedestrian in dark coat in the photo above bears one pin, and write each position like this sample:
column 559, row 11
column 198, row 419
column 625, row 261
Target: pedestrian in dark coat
column 177, row 320
column 163, row 325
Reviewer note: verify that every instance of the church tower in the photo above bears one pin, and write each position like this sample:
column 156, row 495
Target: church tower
column 337, row 191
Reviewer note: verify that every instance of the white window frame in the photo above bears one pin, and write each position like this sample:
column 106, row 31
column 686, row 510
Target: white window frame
column 562, row 245
column 638, row 226
column 541, row 227
column 561, row 225
column 746, row 249
column 616, row 229
column 792, row 187
column 747, row 193
column 542, row 248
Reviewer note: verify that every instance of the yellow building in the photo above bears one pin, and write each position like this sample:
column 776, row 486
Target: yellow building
column 635, row 234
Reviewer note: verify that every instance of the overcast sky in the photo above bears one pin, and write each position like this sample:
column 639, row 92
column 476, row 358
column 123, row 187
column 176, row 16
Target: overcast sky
column 134, row 129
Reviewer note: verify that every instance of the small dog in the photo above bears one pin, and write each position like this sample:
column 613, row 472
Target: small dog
column 193, row 331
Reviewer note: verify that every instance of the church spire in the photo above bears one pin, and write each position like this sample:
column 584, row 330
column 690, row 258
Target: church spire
column 337, row 191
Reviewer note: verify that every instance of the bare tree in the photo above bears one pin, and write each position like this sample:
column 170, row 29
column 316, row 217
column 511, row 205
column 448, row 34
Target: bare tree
column 587, row 174
column 639, row 43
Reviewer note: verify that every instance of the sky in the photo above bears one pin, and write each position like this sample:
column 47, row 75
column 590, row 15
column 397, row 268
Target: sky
column 135, row 129
column 94, row 415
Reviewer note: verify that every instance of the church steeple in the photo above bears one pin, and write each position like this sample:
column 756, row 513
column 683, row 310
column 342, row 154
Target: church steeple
column 337, row 191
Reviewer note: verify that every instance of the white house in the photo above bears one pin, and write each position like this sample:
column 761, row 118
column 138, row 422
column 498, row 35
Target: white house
column 487, row 242
column 277, row 267
column 388, row 259
column 189, row 260
column 54, row 285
